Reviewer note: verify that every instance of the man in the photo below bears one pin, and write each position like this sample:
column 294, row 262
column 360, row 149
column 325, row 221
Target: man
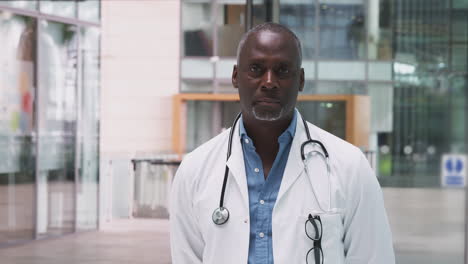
column 278, row 212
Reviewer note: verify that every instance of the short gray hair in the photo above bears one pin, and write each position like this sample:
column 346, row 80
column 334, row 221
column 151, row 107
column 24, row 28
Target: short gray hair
column 272, row 27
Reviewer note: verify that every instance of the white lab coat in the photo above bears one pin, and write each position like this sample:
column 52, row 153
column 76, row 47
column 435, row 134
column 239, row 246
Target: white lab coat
column 357, row 232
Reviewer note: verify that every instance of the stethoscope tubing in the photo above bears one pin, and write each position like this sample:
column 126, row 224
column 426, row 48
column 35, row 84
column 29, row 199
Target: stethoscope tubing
column 221, row 214
column 226, row 170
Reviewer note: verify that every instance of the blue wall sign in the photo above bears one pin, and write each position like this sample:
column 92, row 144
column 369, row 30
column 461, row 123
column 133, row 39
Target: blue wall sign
column 453, row 170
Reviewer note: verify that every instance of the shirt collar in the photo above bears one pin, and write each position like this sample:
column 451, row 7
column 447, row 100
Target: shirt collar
column 287, row 134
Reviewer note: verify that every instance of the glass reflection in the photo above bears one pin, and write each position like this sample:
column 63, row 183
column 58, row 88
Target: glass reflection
column 300, row 18
column 330, row 116
column 230, row 26
column 197, row 29
column 380, row 30
column 59, row 7
column 17, row 61
column 89, row 10
column 56, row 128
column 199, row 123
column 342, row 29
column 261, row 12
column 87, row 190
column 29, row 4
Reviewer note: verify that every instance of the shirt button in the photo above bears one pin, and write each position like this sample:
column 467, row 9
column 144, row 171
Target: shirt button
column 246, row 141
column 262, row 202
column 256, row 170
column 261, row 235
column 246, row 221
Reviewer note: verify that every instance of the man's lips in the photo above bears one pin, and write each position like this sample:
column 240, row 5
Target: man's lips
column 267, row 101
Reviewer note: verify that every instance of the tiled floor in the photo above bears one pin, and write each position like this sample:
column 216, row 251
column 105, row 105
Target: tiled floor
column 137, row 241
column 427, row 225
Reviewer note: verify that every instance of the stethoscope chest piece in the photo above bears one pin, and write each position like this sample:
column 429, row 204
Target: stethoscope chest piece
column 220, row 215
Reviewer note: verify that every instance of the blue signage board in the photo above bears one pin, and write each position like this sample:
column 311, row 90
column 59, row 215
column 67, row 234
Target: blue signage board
column 453, row 170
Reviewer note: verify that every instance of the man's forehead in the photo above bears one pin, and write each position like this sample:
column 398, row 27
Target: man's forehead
column 269, row 39
column 269, row 42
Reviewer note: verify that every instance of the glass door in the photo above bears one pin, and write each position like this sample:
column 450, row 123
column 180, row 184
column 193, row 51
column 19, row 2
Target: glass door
column 57, row 110
column 17, row 62
column 88, row 164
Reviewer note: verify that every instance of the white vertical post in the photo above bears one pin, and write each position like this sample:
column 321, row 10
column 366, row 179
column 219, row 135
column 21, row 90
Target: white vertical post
column 373, row 25
column 11, row 201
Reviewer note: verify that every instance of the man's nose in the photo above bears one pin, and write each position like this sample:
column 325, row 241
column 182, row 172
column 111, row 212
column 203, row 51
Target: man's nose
column 269, row 80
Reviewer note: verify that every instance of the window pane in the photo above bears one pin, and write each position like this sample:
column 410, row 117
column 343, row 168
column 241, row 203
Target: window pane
column 17, row 81
column 381, row 112
column 89, row 10
column 380, row 30
column 224, row 68
column 202, row 86
column 205, row 119
column 260, row 12
column 380, row 71
column 226, row 87
column 28, row 4
column 459, row 25
column 342, row 29
column 197, row 28
column 330, row 116
column 87, row 195
column 460, row 4
column 459, row 55
column 199, row 123
column 58, row 8
column 343, row 87
column 56, row 128
column 196, row 68
column 230, row 26
column 341, row 70
column 300, row 18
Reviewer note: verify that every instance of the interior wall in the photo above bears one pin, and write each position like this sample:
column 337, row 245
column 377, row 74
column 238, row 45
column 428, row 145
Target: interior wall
column 140, row 74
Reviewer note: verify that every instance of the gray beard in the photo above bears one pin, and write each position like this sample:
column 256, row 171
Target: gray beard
column 267, row 116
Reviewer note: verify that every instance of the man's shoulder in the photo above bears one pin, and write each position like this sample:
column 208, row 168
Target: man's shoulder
column 211, row 148
column 334, row 144
column 202, row 159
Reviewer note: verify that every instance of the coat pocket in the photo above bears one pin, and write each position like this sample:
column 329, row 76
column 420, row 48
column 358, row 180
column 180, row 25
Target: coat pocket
column 331, row 231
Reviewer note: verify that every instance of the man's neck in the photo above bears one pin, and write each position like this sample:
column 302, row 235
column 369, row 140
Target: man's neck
column 265, row 136
column 265, row 132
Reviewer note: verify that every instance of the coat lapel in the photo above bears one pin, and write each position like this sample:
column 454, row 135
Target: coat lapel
column 237, row 166
column 294, row 166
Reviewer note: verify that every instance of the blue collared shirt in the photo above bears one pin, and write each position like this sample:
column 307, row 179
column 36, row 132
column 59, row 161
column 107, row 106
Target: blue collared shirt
column 263, row 193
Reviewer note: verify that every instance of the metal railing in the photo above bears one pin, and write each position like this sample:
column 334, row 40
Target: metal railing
column 372, row 158
column 152, row 186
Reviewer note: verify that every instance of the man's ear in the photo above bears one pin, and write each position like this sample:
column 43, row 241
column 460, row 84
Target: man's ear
column 234, row 77
column 301, row 80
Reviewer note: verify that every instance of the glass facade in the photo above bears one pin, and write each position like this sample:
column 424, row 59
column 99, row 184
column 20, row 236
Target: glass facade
column 409, row 57
column 342, row 33
column 26, row 4
column 49, row 119
column 230, row 26
column 430, row 91
column 17, row 125
column 302, row 18
column 58, row 8
column 57, row 121
column 88, row 131
column 196, row 21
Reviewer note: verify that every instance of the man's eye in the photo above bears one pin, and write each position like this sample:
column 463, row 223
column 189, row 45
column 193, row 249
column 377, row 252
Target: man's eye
column 283, row 70
column 254, row 68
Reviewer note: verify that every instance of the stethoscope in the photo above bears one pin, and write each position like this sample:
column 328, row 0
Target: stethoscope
column 221, row 214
